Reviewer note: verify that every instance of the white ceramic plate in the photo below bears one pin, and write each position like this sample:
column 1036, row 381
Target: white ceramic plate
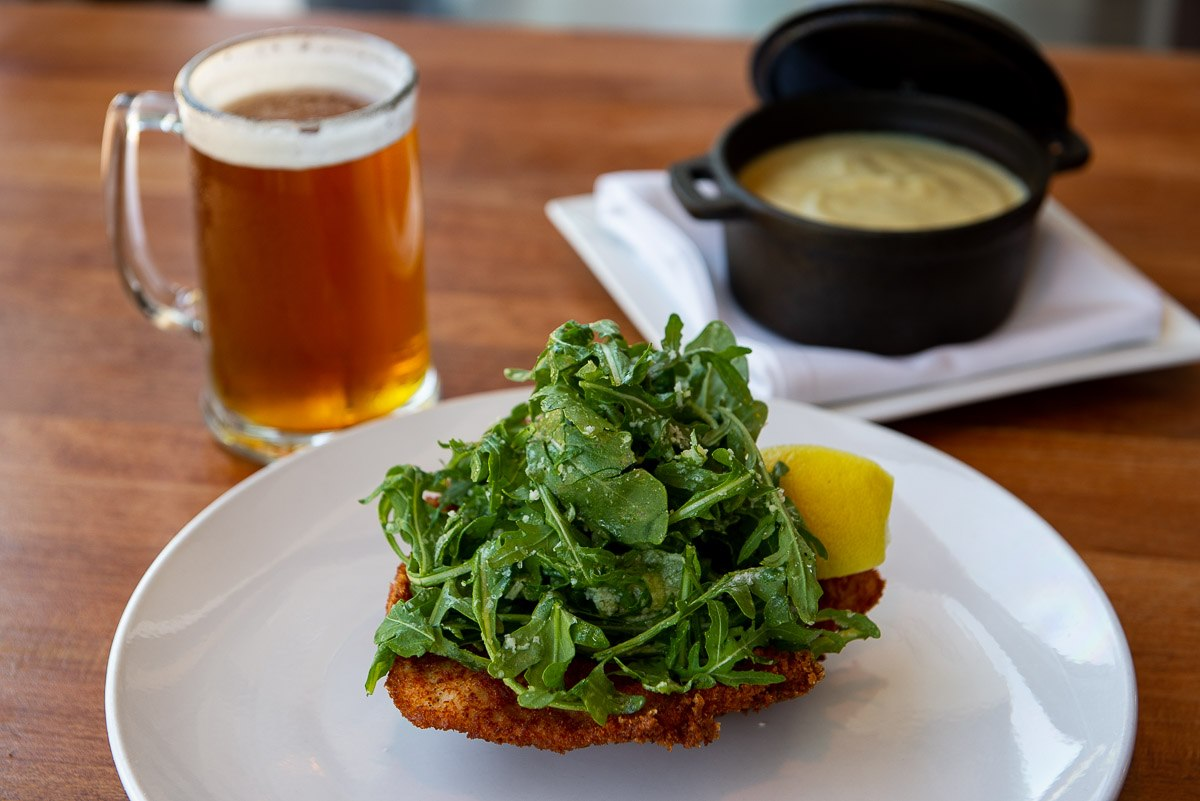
column 622, row 273
column 237, row 668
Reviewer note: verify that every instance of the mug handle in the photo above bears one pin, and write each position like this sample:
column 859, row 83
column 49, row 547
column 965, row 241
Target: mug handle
column 1070, row 152
column 702, row 206
column 167, row 305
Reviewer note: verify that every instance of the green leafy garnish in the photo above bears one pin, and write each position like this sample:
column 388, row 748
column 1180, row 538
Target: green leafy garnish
column 621, row 523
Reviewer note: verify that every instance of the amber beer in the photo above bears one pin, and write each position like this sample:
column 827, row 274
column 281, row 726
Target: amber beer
column 310, row 239
column 314, row 285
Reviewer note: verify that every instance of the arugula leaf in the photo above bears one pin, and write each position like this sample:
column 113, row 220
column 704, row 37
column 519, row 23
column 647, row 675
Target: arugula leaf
column 621, row 522
column 601, row 699
column 405, row 632
column 585, row 461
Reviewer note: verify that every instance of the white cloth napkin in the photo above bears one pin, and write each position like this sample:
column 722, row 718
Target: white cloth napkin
column 1081, row 296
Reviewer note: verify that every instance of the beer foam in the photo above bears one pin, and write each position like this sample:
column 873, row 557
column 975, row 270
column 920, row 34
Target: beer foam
column 314, row 58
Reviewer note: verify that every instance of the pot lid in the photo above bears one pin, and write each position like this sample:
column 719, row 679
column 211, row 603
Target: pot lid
column 926, row 46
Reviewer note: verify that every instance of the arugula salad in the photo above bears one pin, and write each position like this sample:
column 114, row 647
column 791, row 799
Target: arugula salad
column 620, row 523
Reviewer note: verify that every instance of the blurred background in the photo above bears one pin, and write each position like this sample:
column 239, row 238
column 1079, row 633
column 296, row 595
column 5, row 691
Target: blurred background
column 1148, row 24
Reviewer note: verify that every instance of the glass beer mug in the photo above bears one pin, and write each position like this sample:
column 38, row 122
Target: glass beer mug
column 309, row 225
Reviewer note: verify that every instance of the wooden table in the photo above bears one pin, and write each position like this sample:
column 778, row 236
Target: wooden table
column 103, row 456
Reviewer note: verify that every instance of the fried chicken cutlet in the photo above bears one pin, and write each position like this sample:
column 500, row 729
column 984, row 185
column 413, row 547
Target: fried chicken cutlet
column 439, row 693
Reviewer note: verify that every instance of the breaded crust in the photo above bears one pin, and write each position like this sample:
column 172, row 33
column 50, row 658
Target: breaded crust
column 439, row 693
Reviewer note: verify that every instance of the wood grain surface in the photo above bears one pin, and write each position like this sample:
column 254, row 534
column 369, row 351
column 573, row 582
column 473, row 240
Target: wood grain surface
column 103, row 455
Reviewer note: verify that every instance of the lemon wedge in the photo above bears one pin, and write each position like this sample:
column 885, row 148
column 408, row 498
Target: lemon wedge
column 844, row 500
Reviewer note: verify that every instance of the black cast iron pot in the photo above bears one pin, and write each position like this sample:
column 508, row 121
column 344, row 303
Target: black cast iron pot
column 887, row 292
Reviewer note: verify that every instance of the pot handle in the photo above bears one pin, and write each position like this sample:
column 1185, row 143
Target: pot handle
column 1070, row 151
column 702, row 206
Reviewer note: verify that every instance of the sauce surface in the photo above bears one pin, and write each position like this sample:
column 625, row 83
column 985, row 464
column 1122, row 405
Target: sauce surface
column 882, row 182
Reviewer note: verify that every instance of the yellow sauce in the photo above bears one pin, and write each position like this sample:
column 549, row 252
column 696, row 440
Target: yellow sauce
column 882, row 182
